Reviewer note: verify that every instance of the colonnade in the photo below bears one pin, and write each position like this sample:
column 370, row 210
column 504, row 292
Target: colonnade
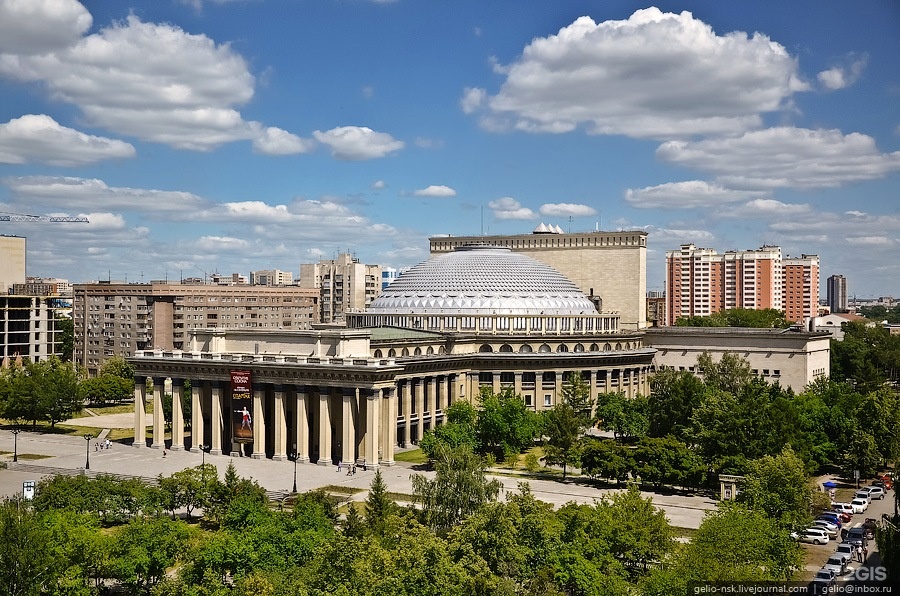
column 317, row 424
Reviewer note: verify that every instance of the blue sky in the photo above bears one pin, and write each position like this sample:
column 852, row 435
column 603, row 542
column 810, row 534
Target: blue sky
column 234, row 135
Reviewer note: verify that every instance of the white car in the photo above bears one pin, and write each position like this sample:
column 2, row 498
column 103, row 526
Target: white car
column 863, row 494
column 846, row 551
column 859, row 505
column 836, row 564
column 829, row 527
column 874, row 492
column 843, row 508
column 814, row 536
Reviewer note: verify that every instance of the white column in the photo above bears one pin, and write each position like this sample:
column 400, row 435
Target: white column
column 419, row 394
column 373, row 427
column 301, row 424
column 348, row 429
column 280, row 428
column 435, row 400
column 259, row 423
column 406, row 397
column 324, row 428
column 140, row 413
column 159, row 421
column 389, row 422
column 177, row 415
column 196, row 415
column 216, row 420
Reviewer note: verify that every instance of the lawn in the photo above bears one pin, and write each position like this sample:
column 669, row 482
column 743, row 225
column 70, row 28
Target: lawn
column 413, row 456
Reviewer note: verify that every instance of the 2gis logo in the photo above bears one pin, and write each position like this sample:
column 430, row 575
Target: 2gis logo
column 870, row 574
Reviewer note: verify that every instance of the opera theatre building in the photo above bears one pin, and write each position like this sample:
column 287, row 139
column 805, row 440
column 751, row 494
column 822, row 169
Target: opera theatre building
column 474, row 317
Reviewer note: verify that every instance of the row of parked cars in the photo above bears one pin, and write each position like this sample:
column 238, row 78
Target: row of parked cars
column 824, row 529
column 854, row 541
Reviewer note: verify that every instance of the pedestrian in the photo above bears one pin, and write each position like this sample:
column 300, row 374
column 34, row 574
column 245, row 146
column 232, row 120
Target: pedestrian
column 108, row 444
column 865, row 552
column 859, row 553
column 340, row 463
column 164, row 453
column 96, row 446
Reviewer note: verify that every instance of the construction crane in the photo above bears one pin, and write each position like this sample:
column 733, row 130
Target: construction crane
column 4, row 216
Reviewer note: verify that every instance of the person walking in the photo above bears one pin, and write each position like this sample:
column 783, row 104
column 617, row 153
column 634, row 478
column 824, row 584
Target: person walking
column 340, row 464
column 859, row 553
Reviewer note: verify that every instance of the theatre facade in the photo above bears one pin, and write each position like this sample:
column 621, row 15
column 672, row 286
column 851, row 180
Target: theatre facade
column 476, row 317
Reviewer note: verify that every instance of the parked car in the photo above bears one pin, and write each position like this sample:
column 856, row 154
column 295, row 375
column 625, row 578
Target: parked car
column 857, row 534
column 844, row 517
column 846, row 551
column 886, row 482
column 875, row 492
column 833, row 518
column 859, row 505
column 836, row 564
column 863, row 494
column 814, row 536
column 822, row 582
column 843, row 508
column 829, row 527
column 869, row 525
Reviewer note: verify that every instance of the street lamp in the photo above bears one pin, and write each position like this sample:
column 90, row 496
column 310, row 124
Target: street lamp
column 294, row 455
column 15, row 431
column 203, row 449
column 87, row 451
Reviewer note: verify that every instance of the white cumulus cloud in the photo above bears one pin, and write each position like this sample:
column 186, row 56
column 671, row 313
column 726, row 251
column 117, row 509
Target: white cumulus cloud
column 784, row 157
column 839, row 77
column 439, row 191
column 685, row 195
column 628, row 77
column 566, row 210
column 509, row 208
column 472, row 99
column 39, row 138
column 356, row 143
column 33, row 27
column 275, row 141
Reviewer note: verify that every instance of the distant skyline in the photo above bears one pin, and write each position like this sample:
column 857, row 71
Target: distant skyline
column 237, row 135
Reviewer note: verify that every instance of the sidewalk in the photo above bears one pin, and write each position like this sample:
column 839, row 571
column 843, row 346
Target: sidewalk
column 70, row 453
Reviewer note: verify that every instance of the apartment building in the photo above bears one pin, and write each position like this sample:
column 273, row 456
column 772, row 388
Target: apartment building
column 836, row 292
column 700, row 282
column 12, row 262
column 344, row 284
column 609, row 267
column 117, row 319
column 271, row 277
column 28, row 326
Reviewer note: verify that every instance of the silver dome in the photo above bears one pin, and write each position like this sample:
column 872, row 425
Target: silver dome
column 478, row 279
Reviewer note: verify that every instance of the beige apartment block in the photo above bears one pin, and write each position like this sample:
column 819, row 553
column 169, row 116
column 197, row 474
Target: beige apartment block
column 12, row 262
column 344, row 283
column 28, row 327
column 271, row 277
column 609, row 267
column 117, row 319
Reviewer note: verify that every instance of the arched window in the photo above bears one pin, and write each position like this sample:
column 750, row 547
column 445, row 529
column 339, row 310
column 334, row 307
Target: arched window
column 506, row 348
column 562, row 348
column 442, row 350
column 578, row 348
column 392, row 353
column 606, row 347
column 485, row 348
column 405, row 352
column 378, row 353
column 429, row 351
column 544, row 349
column 418, row 352
column 618, row 346
column 525, row 349
column 595, row 348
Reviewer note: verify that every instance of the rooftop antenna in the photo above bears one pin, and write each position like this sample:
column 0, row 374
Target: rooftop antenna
column 570, row 224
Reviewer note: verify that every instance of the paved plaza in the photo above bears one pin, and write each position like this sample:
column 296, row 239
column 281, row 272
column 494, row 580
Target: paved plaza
column 71, row 453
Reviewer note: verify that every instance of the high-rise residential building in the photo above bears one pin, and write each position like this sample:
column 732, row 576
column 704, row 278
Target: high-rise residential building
column 271, row 277
column 388, row 275
column 656, row 308
column 117, row 319
column 233, row 279
column 836, row 291
column 609, row 267
column 12, row 262
column 801, row 287
column 344, row 284
column 700, row 282
column 44, row 286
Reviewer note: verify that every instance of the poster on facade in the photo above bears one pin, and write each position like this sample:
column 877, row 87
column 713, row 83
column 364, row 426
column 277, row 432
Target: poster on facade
column 241, row 405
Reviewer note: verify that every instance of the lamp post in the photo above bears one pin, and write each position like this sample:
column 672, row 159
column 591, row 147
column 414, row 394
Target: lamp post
column 294, row 455
column 87, row 451
column 15, row 431
column 203, row 449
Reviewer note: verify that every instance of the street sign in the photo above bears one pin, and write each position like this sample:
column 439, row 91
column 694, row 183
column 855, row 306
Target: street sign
column 856, row 474
column 28, row 489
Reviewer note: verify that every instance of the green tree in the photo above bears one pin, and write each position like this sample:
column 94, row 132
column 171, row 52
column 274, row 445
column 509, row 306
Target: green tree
column 459, row 488
column 565, row 422
column 117, row 366
column 638, row 533
column 606, row 459
column 627, row 418
column 378, row 504
column 673, row 396
column 862, row 455
column 459, row 429
column 731, row 373
column 143, row 549
column 779, row 487
column 26, row 564
column 504, row 423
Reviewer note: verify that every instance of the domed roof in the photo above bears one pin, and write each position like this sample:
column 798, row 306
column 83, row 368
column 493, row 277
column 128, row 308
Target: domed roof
column 480, row 279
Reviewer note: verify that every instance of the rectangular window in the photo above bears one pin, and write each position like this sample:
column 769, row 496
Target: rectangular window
column 485, row 324
column 547, row 400
column 528, row 399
